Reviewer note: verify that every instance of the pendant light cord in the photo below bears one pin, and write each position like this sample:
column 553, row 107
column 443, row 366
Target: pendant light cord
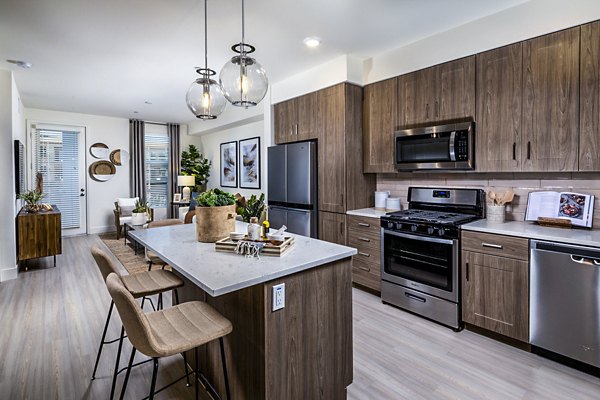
column 205, row 38
column 242, row 47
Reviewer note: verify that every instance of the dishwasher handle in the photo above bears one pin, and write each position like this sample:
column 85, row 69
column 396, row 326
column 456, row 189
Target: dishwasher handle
column 576, row 252
column 585, row 260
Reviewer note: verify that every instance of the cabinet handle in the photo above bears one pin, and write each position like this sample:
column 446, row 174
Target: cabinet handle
column 427, row 111
column 437, row 108
column 365, row 268
column 529, row 150
column 342, row 199
column 363, row 224
column 364, row 239
column 494, row 246
column 296, row 128
column 364, row 254
column 514, row 150
column 467, row 277
column 342, row 228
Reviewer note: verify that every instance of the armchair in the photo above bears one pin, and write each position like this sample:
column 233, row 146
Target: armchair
column 122, row 212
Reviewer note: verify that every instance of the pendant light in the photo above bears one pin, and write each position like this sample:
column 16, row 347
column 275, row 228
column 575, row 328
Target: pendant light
column 205, row 96
column 243, row 79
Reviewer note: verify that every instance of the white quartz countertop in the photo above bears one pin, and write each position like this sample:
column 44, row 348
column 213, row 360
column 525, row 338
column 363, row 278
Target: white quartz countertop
column 531, row 230
column 218, row 273
column 367, row 212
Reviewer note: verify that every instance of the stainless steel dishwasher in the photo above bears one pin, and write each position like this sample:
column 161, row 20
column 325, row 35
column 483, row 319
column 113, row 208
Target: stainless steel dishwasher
column 565, row 300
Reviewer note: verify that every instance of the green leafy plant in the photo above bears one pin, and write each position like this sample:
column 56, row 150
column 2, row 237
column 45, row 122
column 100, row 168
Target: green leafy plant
column 253, row 207
column 215, row 198
column 195, row 164
column 31, row 197
column 141, row 206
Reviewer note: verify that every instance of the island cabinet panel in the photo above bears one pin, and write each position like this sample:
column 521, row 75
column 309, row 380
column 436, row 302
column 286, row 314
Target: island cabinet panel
column 551, row 102
column 303, row 351
column 332, row 227
column 499, row 95
column 495, row 283
column 379, row 122
column 589, row 107
column 364, row 235
column 38, row 234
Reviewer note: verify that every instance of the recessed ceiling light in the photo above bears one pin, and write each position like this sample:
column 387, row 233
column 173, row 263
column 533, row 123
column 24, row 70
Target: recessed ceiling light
column 147, row 102
column 312, row 41
column 135, row 112
column 22, row 64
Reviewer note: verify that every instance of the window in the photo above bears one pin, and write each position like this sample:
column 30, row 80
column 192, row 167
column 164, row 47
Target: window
column 157, row 169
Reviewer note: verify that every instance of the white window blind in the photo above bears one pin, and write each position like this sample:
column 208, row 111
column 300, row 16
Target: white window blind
column 157, row 169
column 56, row 157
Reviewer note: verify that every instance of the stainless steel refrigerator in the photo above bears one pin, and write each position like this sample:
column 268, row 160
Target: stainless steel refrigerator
column 292, row 199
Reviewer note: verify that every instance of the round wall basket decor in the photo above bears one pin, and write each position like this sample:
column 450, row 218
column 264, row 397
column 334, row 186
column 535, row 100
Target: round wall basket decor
column 99, row 150
column 102, row 171
column 119, row 157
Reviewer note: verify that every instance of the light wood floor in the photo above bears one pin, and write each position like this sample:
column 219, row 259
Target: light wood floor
column 51, row 321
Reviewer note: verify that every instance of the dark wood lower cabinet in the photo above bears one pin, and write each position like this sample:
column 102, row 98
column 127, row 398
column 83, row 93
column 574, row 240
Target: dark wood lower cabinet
column 332, row 227
column 365, row 236
column 495, row 294
column 38, row 234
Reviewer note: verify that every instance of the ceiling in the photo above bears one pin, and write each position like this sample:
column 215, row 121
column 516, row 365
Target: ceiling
column 109, row 57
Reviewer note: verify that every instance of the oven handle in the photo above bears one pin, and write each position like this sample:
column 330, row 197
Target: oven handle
column 416, row 237
column 452, row 150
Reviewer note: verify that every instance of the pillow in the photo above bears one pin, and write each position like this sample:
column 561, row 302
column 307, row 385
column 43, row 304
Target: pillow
column 126, row 211
column 126, row 201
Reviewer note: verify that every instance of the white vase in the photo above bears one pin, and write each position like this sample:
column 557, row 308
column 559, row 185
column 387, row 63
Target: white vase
column 138, row 218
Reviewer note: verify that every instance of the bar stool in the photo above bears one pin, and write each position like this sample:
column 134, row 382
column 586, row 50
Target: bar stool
column 167, row 332
column 151, row 257
column 139, row 285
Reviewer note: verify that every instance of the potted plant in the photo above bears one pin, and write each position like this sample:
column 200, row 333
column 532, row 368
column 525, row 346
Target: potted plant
column 32, row 200
column 215, row 215
column 253, row 207
column 139, row 212
column 195, row 164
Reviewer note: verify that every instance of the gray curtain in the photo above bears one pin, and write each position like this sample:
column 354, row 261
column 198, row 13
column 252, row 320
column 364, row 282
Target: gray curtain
column 137, row 166
column 173, row 132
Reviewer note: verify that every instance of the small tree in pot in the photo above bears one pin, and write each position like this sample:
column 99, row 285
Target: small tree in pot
column 195, row 164
column 32, row 200
column 215, row 215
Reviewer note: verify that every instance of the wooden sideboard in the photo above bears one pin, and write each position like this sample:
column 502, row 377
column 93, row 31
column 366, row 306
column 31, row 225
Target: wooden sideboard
column 38, row 234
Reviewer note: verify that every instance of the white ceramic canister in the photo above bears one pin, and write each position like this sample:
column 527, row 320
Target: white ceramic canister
column 496, row 214
column 380, row 198
column 392, row 204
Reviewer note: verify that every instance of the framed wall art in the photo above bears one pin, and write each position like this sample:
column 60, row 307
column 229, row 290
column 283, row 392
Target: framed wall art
column 229, row 155
column 249, row 162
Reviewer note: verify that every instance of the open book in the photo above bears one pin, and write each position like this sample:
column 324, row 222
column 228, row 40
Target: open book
column 575, row 207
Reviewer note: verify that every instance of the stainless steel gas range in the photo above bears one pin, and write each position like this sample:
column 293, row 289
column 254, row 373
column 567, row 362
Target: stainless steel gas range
column 420, row 252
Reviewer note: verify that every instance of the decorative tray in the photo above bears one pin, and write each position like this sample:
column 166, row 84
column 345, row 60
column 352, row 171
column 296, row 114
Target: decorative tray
column 269, row 249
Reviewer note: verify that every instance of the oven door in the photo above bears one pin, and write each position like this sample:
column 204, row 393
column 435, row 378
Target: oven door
column 426, row 264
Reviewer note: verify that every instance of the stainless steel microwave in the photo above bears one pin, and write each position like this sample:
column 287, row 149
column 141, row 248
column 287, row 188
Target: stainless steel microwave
column 441, row 147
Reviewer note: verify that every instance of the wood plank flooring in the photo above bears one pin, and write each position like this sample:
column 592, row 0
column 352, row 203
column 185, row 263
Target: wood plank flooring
column 51, row 320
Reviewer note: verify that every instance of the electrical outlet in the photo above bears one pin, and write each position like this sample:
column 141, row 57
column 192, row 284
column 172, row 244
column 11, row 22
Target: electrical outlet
column 278, row 296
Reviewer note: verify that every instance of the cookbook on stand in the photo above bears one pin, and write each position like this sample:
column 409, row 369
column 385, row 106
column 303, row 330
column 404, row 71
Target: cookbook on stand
column 576, row 208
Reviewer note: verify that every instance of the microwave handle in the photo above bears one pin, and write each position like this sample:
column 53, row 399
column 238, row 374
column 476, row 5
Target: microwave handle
column 452, row 152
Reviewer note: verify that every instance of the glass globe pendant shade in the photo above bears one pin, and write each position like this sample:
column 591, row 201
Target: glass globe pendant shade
column 244, row 81
column 205, row 98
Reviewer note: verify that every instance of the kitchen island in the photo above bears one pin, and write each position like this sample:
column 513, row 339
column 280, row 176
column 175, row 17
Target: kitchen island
column 302, row 351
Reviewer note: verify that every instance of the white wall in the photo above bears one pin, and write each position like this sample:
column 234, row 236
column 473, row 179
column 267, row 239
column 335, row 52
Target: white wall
column 114, row 132
column 9, row 98
column 210, row 147
column 525, row 21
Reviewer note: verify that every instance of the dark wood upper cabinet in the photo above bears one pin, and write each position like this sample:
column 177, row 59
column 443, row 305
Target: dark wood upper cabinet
column 551, row 102
column 589, row 107
column 379, row 123
column 296, row 119
column 499, row 94
column 455, row 89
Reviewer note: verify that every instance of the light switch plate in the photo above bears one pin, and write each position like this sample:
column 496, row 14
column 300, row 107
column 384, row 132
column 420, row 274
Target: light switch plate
column 278, row 296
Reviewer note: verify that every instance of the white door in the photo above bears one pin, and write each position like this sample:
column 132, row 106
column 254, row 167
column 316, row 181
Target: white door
column 58, row 154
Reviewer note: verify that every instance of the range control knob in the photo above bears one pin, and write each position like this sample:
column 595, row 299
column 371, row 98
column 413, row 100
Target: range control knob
column 413, row 228
column 441, row 232
column 398, row 225
column 430, row 230
column 390, row 225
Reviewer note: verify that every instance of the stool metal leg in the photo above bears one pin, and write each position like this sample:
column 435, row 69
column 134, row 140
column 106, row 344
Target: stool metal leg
column 197, row 382
column 133, row 350
column 112, row 304
column 114, row 381
column 224, row 368
column 153, row 384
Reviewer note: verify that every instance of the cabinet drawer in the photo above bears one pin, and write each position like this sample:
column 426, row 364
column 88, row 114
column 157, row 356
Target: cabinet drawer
column 363, row 224
column 367, row 253
column 366, row 238
column 366, row 273
column 498, row 245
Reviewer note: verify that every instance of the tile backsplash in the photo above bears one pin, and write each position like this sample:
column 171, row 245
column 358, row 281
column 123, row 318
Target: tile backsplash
column 521, row 183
